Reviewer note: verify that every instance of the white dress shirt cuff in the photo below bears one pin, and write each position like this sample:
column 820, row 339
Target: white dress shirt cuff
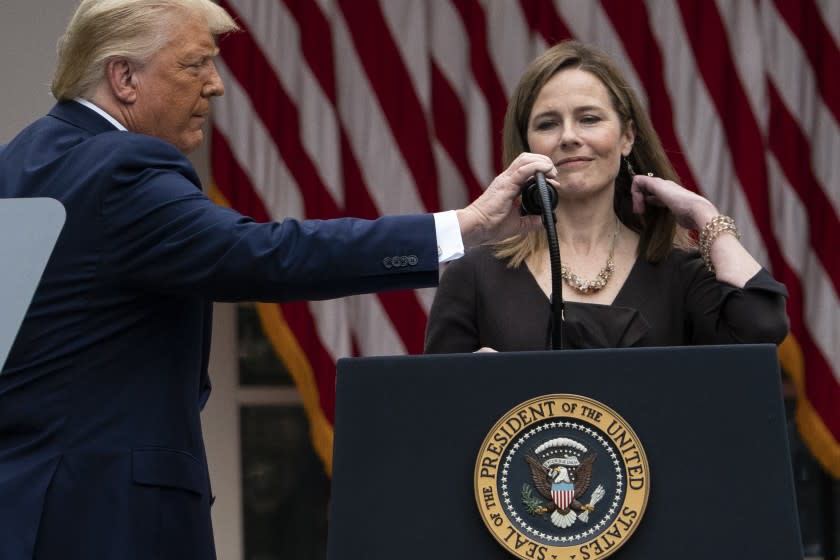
column 450, row 244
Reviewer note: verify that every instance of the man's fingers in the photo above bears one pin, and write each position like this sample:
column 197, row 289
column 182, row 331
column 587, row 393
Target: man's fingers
column 526, row 165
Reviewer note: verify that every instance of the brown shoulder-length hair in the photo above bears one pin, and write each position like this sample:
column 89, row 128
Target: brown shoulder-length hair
column 657, row 228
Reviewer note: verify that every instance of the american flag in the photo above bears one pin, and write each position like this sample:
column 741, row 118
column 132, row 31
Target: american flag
column 370, row 107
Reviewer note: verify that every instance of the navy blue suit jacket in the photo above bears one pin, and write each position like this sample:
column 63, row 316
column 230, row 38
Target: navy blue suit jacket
column 101, row 453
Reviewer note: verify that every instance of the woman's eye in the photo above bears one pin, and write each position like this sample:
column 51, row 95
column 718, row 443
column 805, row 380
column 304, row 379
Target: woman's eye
column 545, row 125
column 589, row 119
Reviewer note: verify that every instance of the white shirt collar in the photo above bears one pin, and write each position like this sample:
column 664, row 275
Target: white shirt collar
column 102, row 113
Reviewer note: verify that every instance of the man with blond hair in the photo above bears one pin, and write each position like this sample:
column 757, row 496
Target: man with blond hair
column 102, row 455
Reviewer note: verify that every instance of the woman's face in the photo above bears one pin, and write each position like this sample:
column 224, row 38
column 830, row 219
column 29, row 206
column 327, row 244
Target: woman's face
column 573, row 122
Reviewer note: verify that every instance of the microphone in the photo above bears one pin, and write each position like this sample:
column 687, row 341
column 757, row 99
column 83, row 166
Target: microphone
column 537, row 196
column 532, row 199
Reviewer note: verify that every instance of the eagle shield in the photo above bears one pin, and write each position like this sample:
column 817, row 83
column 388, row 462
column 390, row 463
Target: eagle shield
column 562, row 493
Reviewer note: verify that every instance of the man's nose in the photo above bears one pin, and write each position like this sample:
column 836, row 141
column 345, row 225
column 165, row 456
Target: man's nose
column 214, row 86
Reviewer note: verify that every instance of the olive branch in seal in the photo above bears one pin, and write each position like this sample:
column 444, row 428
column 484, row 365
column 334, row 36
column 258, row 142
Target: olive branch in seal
column 533, row 504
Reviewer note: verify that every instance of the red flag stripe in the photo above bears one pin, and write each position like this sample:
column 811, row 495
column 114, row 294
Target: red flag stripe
column 392, row 85
column 268, row 96
column 405, row 311
column 633, row 27
column 451, row 128
column 805, row 22
column 238, row 184
column 791, row 148
column 280, row 116
column 231, row 180
column 300, row 317
column 403, row 308
column 449, row 51
column 365, row 134
column 746, row 145
column 790, row 71
column 316, row 44
column 745, row 142
column 472, row 14
column 542, row 17
column 821, row 387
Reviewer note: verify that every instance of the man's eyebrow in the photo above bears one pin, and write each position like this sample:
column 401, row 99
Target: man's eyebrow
column 203, row 53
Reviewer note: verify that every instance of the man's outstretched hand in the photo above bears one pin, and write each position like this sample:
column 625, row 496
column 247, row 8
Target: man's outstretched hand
column 494, row 215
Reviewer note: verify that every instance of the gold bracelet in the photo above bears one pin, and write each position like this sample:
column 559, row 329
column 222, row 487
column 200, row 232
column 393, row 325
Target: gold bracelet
column 717, row 225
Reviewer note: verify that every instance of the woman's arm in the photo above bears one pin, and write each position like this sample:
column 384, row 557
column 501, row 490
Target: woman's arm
column 730, row 261
column 453, row 324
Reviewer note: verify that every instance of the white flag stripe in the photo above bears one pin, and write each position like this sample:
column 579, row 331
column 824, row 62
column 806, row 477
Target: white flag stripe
column 385, row 171
column 426, row 296
column 408, row 25
column 332, row 322
column 823, row 312
column 277, row 34
column 453, row 193
column 302, row 87
column 479, row 135
column 743, row 30
column 450, row 45
column 594, row 26
column 254, row 150
column 792, row 74
column 328, row 8
column 450, row 49
column 539, row 44
column 277, row 189
column 822, row 308
column 508, row 40
column 448, row 65
column 698, row 125
column 372, row 328
column 830, row 10
column 386, row 176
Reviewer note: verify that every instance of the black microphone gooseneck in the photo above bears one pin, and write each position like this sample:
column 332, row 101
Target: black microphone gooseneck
column 547, row 204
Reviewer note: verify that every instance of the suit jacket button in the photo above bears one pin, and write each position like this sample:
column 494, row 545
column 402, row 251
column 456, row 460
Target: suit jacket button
column 387, row 262
column 403, row 261
column 412, row 260
column 395, row 261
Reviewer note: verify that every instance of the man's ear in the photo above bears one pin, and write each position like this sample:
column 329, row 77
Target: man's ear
column 120, row 75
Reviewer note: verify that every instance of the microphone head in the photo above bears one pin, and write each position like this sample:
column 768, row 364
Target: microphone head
column 531, row 203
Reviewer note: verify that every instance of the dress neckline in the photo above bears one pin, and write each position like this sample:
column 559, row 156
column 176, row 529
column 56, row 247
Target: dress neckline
column 616, row 300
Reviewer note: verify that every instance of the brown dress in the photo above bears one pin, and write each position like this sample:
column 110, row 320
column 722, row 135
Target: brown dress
column 480, row 302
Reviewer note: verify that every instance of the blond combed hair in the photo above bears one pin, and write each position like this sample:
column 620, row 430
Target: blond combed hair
column 101, row 30
column 657, row 228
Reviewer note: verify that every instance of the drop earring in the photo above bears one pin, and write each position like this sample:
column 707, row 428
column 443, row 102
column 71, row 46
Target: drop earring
column 630, row 169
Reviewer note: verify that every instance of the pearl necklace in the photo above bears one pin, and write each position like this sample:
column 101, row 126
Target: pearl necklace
column 591, row 286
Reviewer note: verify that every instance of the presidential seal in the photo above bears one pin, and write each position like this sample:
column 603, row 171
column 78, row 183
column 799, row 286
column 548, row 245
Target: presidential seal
column 561, row 477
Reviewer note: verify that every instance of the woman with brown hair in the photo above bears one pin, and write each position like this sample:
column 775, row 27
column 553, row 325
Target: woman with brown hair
column 632, row 277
